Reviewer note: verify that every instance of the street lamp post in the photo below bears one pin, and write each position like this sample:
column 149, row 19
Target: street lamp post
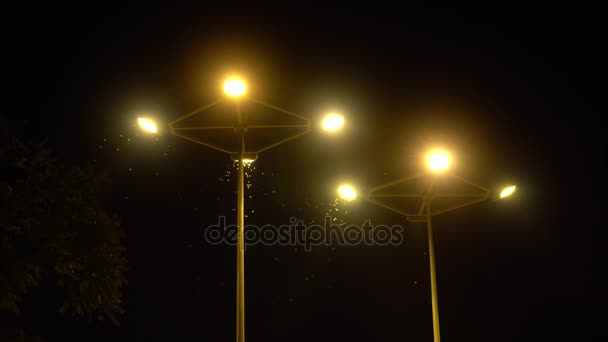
column 240, row 253
column 419, row 205
column 236, row 89
column 187, row 127
column 433, row 273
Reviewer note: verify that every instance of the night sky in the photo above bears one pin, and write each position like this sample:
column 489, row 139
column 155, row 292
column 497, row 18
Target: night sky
column 506, row 90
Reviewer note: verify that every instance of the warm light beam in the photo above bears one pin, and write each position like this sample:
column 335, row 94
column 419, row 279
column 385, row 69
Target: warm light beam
column 332, row 122
column 438, row 161
column 147, row 125
column 508, row 191
column 347, row 192
column 234, row 87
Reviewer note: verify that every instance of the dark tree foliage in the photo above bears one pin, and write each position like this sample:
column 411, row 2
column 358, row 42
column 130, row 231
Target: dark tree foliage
column 53, row 226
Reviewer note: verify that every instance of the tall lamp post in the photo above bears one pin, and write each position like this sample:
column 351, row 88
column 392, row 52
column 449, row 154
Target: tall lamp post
column 229, row 135
column 412, row 197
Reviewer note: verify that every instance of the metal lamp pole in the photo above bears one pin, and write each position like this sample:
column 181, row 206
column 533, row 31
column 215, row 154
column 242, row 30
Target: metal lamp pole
column 184, row 128
column 434, row 300
column 382, row 195
column 240, row 251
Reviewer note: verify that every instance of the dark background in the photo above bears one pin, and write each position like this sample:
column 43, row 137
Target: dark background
column 508, row 90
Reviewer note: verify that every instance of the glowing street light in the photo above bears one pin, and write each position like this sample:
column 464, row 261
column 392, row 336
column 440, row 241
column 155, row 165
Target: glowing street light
column 244, row 125
column 332, row 122
column 438, row 161
column 347, row 192
column 243, row 150
column 508, row 191
column 147, row 125
column 235, row 87
column 426, row 207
